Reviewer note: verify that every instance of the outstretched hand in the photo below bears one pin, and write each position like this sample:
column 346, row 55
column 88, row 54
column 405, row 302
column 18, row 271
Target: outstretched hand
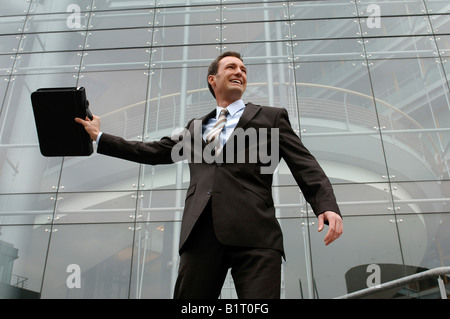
column 335, row 224
column 92, row 127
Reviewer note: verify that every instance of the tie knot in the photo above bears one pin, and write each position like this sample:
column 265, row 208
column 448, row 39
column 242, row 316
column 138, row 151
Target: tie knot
column 223, row 112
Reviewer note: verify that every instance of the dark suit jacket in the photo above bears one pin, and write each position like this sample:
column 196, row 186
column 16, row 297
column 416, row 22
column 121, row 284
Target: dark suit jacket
column 241, row 197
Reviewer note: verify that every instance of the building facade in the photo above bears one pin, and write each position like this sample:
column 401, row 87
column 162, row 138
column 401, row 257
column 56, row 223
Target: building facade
column 366, row 85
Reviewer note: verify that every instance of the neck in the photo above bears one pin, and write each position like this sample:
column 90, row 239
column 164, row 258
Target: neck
column 224, row 102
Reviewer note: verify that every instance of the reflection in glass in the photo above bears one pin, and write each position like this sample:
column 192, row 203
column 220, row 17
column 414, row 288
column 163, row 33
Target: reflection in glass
column 22, row 260
column 377, row 244
column 411, row 98
column 155, row 260
column 101, row 254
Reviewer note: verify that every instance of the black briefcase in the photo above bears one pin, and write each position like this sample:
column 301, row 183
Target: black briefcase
column 54, row 111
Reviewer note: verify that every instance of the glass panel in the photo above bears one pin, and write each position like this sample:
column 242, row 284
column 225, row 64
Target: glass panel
column 176, row 96
column 161, row 205
column 412, row 91
column 344, row 85
column 14, row 7
column 398, row 26
column 362, row 199
column 121, row 19
column 11, row 25
column 116, row 60
column 324, row 29
column 98, row 173
column 47, row 42
column 443, row 43
column 253, row 12
column 441, row 24
column 394, row 48
column 26, row 170
column 27, row 208
column 59, row 6
column 95, row 207
column 434, row 6
column 119, row 38
column 421, row 197
column 40, row 63
column 335, row 275
column 119, row 99
column 3, row 84
column 55, row 22
column 120, row 4
column 187, row 15
column 338, row 120
column 425, row 244
column 89, row 261
column 188, row 56
column 248, row 1
column 155, row 260
column 255, row 32
column 9, row 43
column 271, row 52
column 6, row 62
column 389, row 7
column 175, row 3
column 422, row 152
column 321, row 9
column 22, row 260
column 328, row 50
column 189, row 35
column 269, row 84
column 296, row 277
column 432, row 243
column 412, row 103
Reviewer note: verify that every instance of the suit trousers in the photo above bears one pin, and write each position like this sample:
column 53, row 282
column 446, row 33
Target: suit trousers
column 204, row 264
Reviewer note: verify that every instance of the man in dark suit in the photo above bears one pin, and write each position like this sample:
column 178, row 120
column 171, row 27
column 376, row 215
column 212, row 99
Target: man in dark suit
column 229, row 216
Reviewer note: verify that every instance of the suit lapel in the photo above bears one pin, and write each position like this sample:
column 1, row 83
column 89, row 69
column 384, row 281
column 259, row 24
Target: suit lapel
column 249, row 113
column 196, row 127
column 205, row 118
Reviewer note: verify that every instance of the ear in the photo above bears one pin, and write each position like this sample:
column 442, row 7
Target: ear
column 212, row 80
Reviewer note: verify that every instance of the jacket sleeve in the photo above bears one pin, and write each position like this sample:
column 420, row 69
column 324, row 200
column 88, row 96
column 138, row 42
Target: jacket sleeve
column 152, row 153
column 308, row 174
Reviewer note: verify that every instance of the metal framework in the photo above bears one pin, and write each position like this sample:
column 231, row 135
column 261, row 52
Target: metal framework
column 435, row 272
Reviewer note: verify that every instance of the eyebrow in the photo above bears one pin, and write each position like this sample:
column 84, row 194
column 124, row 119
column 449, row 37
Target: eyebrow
column 235, row 64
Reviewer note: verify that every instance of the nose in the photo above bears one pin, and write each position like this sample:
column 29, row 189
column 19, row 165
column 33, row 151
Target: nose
column 239, row 72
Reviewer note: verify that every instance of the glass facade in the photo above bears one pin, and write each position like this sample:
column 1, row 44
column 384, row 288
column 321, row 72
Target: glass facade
column 366, row 85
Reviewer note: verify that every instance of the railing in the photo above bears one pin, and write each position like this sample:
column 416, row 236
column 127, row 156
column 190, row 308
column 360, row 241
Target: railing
column 436, row 272
column 18, row 281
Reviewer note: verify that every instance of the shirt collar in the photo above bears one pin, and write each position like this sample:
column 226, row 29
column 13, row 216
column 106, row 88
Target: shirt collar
column 233, row 108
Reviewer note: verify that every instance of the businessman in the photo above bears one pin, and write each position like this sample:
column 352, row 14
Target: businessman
column 229, row 216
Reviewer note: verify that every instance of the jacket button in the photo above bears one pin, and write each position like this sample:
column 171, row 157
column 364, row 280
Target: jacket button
column 209, row 192
column 219, row 164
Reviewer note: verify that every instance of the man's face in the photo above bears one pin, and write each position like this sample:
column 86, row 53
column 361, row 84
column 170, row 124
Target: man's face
column 230, row 81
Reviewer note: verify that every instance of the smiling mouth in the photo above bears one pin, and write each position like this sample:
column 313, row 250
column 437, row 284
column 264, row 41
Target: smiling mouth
column 236, row 81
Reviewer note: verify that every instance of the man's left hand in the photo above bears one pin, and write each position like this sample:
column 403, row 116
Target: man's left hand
column 336, row 226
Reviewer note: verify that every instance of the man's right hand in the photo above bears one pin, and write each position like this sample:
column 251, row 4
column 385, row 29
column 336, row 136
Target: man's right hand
column 92, row 127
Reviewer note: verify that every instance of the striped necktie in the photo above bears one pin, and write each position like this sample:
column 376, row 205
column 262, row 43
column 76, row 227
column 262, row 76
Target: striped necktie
column 213, row 135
